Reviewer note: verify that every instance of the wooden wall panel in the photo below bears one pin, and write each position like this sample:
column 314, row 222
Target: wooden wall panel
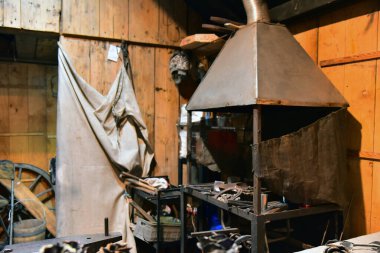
column 361, row 27
column 148, row 21
column 360, row 93
column 332, row 35
column 114, row 19
column 51, row 110
column 360, row 189
column 39, row 15
column 171, row 22
column 23, row 113
column 166, row 116
column 1, row 12
column 143, row 69
column 306, row 33
column 11, row 13
column 79, row 53
column 375, row 216
column 80, row 17
column 143, row 17
column 156, row 93
column 89, row 58
column 345, row 32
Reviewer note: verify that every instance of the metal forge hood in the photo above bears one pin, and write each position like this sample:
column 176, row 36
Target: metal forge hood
column 263, row 64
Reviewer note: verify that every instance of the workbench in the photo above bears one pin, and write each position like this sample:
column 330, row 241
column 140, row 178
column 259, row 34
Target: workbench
column 93, row 242
column 365, row 239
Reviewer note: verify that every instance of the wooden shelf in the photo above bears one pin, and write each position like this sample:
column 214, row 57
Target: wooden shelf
column 203, row 44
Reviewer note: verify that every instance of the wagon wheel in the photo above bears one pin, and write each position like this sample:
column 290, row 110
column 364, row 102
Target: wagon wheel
column 38, row 181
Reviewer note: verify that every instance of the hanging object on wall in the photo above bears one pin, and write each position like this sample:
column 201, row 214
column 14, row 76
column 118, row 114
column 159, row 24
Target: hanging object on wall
column 98, row 136
column 179, row 66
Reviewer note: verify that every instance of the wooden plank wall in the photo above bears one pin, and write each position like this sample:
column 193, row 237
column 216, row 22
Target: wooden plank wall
column 348, row 31
column 40, row 15
column 156, row 93
column 153, row 27
column 161, row 22
column 27, row 113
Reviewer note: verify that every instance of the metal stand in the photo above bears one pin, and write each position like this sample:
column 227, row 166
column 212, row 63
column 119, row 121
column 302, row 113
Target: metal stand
column 257, row 220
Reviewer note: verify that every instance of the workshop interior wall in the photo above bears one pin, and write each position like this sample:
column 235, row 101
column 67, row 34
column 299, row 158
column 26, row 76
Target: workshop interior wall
column 27, row 113
column 153, row 27
column 343, row 32
column 87, row 28
column 27, row 109
column 38, row 15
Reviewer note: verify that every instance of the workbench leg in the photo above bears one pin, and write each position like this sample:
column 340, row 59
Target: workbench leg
column 159, row 230
column 336, row 223
column 183, row 220
column 258, row 235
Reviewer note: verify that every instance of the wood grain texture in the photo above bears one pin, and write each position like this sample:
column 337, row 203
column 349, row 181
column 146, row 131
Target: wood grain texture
column 4, row 111
column 81, row 17
column 143, row 20
column 51, row 101
column 332, row 35
column 18, row 110
column 360, row 94
column 12, row 12
column 306, row 33
column 360, row 186
column 166, row 116
column 37, row 151
column 171, row 21
column 114, row 19
column 361, row 27
column 350, row 59
column 1, row 12
column 38, row 15
column 30, row 10
column 5, row 147
column 24, row 113
column 377, row 103
column 79, row 53
column 19, row 149
column 143, row 69
column 18, row 74
column 375, row 216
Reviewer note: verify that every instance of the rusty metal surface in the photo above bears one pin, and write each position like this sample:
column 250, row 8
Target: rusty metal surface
column 93, row 242
column 264, row 64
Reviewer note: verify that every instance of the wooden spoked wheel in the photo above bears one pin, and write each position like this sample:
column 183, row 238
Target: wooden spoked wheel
column 39, row 183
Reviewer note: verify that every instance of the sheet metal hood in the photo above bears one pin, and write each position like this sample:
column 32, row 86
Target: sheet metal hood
column 263, row 64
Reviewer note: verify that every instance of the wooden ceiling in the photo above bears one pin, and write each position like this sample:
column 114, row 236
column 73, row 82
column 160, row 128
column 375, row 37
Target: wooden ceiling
column 28, row 47
column 280, row 10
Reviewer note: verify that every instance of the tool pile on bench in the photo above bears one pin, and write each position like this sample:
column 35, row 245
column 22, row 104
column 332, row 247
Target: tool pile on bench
column 239, row 195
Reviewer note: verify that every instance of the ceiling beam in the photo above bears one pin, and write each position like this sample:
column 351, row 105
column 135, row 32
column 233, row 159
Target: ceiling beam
column 295, row 8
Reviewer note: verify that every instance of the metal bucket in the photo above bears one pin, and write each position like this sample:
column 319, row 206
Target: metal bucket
column 29, row 230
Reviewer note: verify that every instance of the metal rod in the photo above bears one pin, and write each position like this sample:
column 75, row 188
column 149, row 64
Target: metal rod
column 183, row 222
column 159, row 232
column 12, row 209
column 256, row 160
column 211, row 232
column 189, row 130
column 106, row 230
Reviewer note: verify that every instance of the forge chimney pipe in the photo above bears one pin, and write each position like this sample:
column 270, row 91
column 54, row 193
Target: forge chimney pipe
column 256, row 10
